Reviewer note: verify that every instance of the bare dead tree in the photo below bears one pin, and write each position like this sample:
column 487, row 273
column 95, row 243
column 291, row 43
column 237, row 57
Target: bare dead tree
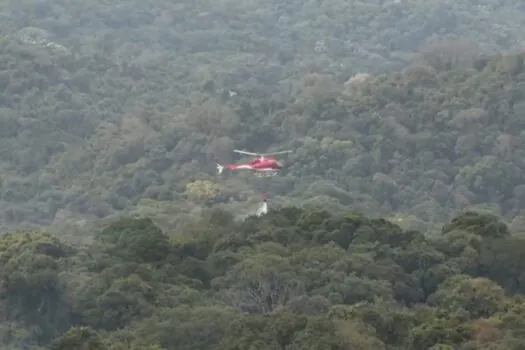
column 264, row 294
column 448, row 54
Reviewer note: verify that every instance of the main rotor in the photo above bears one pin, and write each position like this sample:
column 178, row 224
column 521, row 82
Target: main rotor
column 260, row 155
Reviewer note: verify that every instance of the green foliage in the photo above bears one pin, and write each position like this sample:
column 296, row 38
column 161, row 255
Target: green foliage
column 137, row 240
column 484, row 225
column 113, row 118
column 345, row 281
column 82, row 338
column 479, row 297
column 389, row 108
column 437, row 334
column 30, row 284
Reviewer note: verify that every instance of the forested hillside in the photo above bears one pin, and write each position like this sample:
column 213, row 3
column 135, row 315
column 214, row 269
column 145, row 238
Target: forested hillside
column 400, row 114
column 427, row 142
column 127, row 108
column 292, row 279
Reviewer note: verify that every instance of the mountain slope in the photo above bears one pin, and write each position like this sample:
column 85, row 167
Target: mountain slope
column 136, row 101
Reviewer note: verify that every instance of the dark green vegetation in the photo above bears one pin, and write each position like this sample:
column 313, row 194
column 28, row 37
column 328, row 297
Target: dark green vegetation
column 293, row 279
column 123, row 108
column 427, row 142
column 116, row 109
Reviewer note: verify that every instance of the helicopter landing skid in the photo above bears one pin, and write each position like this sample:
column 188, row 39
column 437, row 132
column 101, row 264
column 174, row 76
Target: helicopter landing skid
column 266, row 174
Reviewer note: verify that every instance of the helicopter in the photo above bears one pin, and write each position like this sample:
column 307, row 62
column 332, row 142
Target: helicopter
column 262, row 166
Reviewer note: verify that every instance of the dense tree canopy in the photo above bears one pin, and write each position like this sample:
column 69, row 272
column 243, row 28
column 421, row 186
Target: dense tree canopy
column 125, row 109
column 291, row 279
column 395, row 224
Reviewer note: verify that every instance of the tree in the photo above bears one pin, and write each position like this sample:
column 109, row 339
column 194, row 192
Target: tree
column 81, row 338
column 136, row 240
column 449, row 54
column 484, row 225
column 261, row 284
column 480, row 297
column 30, row 287
column 201, row 190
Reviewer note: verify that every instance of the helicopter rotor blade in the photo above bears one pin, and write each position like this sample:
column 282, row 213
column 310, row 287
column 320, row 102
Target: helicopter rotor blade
column 248, row 153
column 274, row 153
column 262, row 155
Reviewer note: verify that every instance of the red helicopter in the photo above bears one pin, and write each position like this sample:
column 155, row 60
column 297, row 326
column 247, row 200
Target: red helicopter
column 261, row 166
